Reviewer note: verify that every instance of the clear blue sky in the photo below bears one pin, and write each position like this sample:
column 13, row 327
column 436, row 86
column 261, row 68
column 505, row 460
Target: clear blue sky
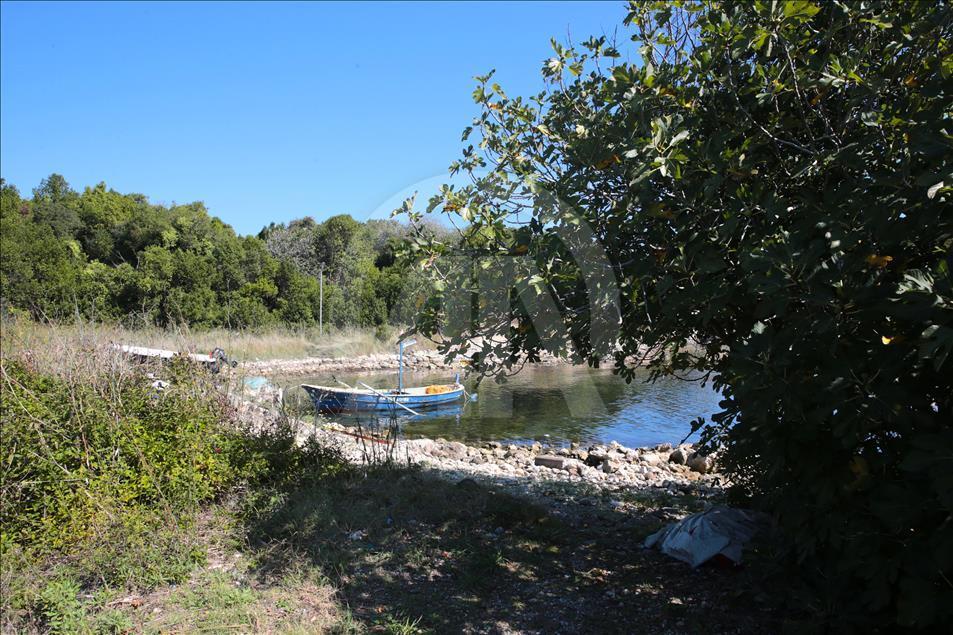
column 265, row 112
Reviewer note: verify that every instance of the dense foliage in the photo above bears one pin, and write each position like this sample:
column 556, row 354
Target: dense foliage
column 76, row 453
column 103, row 476
column 107, row 256
column 764, row 197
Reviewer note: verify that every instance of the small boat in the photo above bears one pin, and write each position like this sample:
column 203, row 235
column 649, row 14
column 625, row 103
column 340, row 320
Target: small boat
column 366, row 398
column 328, row 399
column 214, row 361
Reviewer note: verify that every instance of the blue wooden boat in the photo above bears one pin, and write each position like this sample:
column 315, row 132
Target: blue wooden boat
column 367, row 399
column 328, row 399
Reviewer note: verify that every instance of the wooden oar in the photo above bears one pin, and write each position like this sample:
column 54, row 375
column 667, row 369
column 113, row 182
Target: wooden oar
column 380, row 394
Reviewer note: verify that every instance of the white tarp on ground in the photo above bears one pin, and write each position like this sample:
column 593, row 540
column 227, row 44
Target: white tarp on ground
column 718, row 530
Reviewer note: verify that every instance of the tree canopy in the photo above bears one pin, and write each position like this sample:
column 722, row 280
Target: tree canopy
column 763, row 198
column 102, row 255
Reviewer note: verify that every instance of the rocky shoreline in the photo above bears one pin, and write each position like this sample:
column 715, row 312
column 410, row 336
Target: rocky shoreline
column 664, row 469
column 420, row 360
column 415, row 360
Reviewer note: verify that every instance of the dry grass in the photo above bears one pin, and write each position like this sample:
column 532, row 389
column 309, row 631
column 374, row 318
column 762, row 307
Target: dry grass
column 283, row 343
column 226, row 596
column 75, row 354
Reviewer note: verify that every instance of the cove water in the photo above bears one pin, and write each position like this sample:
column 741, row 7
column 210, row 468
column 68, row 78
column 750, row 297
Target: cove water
column 554, row 404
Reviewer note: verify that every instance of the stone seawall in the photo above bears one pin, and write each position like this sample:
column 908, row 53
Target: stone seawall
column 416, row 360
column 421, row 360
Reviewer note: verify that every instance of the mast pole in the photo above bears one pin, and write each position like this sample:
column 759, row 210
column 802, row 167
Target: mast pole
column 321, row 302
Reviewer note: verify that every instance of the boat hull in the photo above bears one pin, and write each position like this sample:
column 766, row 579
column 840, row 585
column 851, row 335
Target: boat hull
column 330, row 400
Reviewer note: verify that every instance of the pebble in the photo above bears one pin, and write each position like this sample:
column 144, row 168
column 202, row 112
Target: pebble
column 699, row 463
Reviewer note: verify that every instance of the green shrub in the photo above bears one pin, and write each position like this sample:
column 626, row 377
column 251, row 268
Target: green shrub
column 103, row 479
column 93, row 460
column 62, row 608
column 75, row 456
column 112, row 621
column 141, row 548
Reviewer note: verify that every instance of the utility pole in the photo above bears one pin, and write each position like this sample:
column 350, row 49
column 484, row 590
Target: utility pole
column 321, row 302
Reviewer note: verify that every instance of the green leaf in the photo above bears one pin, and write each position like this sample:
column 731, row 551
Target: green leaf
column 681, row 136
column 877, row 23
column 799, row 9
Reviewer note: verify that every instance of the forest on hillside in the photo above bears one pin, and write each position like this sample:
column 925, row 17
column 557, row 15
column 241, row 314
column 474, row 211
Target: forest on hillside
column 106, row 256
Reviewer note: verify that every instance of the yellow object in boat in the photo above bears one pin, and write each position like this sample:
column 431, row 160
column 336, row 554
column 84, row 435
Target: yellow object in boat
column 438, row 389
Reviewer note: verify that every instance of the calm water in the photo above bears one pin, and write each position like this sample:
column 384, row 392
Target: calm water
column 555, row 404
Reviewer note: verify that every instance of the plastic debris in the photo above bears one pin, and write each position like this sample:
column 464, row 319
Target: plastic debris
column 256, row 383
column 698, row 538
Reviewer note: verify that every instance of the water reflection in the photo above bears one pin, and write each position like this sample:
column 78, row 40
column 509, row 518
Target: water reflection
column 557, row 404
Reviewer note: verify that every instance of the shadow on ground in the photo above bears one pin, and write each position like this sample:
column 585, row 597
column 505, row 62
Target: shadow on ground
column 409, row 549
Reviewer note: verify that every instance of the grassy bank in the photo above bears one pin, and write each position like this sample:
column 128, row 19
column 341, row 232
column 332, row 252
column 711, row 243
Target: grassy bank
column 107, row 483
column 242, row 345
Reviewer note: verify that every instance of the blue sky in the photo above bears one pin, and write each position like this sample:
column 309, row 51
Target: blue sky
column 265, row 112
